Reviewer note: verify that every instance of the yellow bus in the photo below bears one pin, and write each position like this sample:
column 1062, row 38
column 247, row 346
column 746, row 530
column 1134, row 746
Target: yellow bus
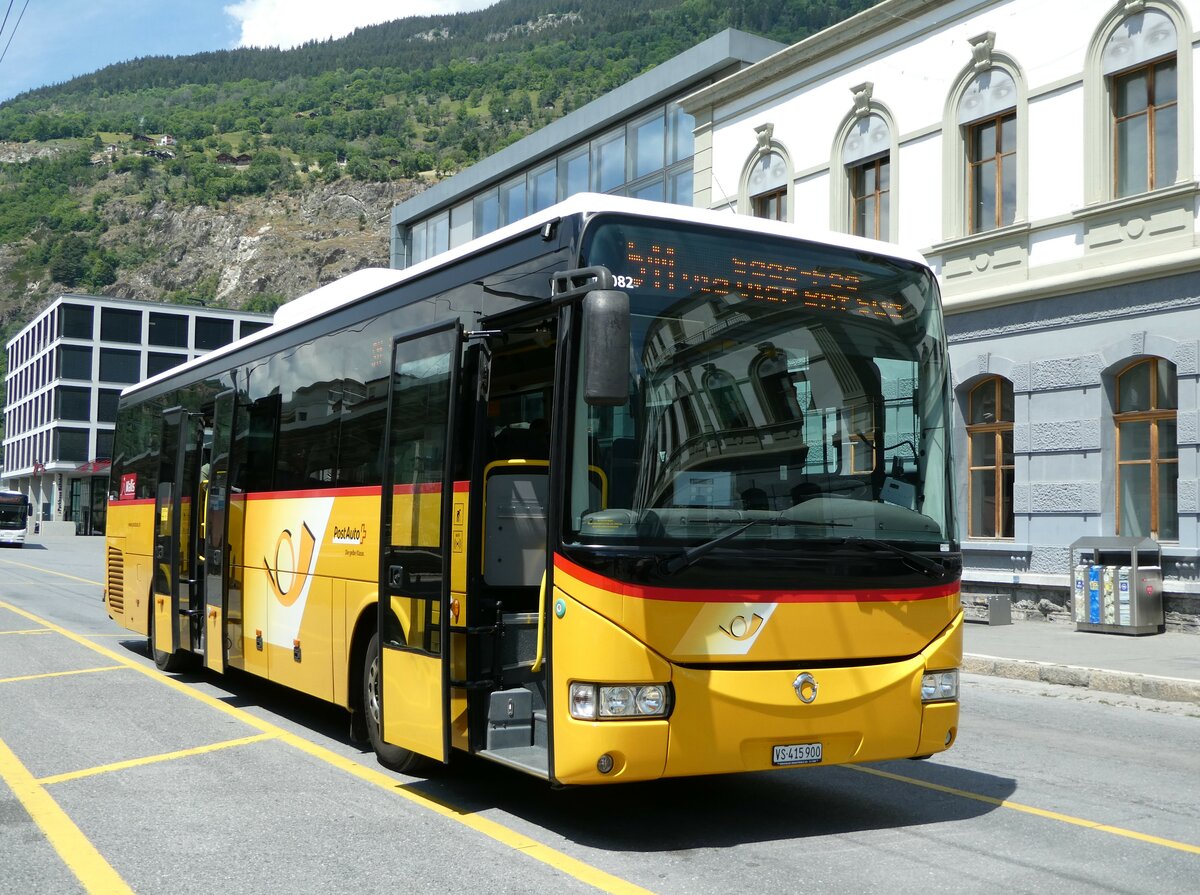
column 620, row 491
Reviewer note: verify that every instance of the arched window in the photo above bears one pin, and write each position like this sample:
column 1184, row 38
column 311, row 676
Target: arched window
column 726, row 399
column 768, row 187
column 1139, row 62
column 990, row 459
column 684, row 402
column 866, row 155
column 987, row 115
column 1147, row 453
column 766, row 183
column 987, row 112
column 1138, row 101
column 775, row 385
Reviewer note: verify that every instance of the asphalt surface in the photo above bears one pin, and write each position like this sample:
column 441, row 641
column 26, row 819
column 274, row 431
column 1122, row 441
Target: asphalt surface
column 116, row 778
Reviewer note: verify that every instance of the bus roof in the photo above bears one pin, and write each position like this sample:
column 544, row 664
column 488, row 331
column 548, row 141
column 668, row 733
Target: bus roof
column 370, row 281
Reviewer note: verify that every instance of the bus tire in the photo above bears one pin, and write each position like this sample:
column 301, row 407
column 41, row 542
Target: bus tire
column 395, row 758
column 163, row 661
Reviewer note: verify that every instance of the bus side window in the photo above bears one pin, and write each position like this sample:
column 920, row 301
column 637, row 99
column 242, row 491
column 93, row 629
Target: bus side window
column 254, row 446
column 360, row 446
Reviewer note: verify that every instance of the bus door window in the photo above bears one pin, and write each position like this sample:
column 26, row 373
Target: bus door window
column 177, row 517
column 193, row 485
column 516, row 462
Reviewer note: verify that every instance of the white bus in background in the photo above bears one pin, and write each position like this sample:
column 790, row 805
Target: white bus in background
column 15, row 511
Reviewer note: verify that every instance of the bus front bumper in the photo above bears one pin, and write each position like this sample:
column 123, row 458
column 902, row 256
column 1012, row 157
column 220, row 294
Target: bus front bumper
column 727, row 720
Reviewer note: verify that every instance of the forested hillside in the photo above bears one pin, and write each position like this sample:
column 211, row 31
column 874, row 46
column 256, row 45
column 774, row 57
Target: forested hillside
column 109, row 182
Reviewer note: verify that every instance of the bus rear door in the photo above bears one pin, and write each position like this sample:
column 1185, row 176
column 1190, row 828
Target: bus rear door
column 176, row 584
column 414, row 588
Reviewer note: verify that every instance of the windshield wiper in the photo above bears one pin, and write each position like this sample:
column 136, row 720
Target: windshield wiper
column 681, row 561
column 913, row 560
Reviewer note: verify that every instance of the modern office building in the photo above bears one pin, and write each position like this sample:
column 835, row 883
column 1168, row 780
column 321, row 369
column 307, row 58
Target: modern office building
column 1043, row 157
column 634, row 141
column 66, row 369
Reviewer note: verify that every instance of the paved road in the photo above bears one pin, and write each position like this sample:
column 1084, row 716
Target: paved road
column 115, row 778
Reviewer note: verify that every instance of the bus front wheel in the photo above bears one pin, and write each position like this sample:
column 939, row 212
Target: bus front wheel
column 163, row 661
column 404, row 761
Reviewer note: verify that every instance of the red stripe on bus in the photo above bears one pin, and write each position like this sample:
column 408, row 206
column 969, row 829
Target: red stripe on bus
column 682, row 595
column 357, row 491
column 460, row 487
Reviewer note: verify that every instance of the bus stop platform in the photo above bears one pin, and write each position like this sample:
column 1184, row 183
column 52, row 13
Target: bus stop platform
column 1156, row 666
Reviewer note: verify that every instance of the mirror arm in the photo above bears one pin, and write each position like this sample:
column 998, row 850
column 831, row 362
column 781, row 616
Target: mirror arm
column 569, row 285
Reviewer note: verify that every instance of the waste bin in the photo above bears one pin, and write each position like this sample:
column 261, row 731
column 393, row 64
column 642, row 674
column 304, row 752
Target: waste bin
column 1117, row 586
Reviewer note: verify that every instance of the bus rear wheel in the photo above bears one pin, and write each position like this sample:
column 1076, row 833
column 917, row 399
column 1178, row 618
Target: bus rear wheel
column 396, row 758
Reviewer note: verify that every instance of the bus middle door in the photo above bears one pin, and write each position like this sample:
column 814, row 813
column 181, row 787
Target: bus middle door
column 177, row 590
column 414, row 586
column 214, row 537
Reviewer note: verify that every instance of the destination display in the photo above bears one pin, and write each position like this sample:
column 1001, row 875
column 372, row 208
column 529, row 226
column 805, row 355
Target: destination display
column 685, row 264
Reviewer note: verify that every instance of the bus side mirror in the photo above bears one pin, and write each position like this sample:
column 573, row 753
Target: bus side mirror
column 606, row 327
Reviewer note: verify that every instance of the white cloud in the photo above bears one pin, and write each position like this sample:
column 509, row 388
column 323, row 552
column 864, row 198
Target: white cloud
column 288, row 23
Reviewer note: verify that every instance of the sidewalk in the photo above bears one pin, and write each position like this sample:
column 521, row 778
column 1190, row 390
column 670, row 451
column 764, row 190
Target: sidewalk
column 1156, row 666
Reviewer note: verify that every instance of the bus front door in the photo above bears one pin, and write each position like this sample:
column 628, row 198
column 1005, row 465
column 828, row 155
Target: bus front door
column 414, row 587
column 213, row 538
column 177, row 587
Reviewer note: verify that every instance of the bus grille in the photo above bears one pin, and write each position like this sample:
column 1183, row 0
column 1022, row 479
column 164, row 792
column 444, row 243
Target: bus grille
column 116, row 581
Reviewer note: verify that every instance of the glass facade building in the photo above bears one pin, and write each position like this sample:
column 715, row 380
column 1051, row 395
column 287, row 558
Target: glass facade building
column 66, row 369
column 635, row 141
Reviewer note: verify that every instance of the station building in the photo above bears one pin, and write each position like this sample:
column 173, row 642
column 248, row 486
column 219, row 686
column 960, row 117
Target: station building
column 1043, row 158
column 66, row 369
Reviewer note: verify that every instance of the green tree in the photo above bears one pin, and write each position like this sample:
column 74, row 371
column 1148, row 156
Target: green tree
column 67, row 262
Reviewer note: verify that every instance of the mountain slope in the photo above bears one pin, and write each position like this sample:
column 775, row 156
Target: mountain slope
column 246, row 177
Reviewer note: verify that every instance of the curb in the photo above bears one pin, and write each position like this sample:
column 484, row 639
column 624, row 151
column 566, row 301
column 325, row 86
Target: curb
column 1147, row 686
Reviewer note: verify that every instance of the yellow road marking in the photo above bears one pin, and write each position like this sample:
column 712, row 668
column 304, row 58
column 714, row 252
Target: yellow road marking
column 25, row 565
column 564, row 863
column 30, row 631
column 77, row 852
column 34, row 677
column 154, row 759
column 1037, row 812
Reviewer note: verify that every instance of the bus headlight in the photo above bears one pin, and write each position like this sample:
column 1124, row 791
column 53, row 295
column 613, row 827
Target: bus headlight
column 939, row 686
column 591, row 702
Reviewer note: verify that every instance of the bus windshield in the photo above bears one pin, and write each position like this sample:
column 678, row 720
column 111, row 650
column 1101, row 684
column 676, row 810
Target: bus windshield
column 778, row 389
column 13, row 513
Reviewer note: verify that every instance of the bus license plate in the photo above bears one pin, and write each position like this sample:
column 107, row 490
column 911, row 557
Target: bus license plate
column 797, row 753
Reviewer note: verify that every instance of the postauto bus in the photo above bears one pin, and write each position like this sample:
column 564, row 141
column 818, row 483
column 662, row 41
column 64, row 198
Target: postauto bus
column 620, row 491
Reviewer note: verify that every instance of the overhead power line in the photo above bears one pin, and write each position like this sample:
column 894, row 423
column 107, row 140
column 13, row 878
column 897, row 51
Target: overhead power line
column 6, row 14
column 15, row 26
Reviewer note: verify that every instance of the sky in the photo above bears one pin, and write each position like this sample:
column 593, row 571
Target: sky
column 55, row 40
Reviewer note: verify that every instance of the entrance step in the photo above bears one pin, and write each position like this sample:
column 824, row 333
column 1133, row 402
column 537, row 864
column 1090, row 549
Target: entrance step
column 530, row 759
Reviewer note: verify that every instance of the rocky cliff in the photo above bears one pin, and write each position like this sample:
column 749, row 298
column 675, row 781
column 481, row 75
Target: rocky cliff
column 248, row 252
